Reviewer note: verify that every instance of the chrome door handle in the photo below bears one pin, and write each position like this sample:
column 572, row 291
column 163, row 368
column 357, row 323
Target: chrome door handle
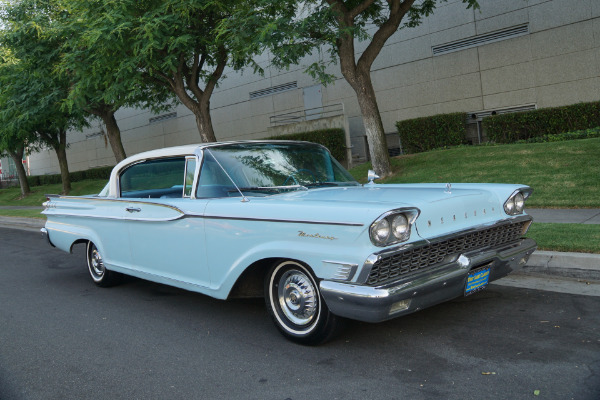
column 132, row 209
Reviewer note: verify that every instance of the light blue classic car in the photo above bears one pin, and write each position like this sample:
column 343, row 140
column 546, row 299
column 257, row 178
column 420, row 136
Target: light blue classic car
column 284, row 220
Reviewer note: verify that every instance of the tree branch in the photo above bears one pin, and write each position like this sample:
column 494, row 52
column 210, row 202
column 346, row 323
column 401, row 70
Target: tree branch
column 217, row 73
column 397, row 11
column 360, row 8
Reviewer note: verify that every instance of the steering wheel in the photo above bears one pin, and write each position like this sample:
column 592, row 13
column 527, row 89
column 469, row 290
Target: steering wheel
column 293, row 176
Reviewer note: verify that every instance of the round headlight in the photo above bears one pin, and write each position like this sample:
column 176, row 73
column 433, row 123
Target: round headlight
column 519, row 203
column 400, row 226
column 509, row 206
column 380, row 231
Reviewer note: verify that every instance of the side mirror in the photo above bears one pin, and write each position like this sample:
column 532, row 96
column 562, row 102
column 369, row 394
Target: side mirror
column 371, row 176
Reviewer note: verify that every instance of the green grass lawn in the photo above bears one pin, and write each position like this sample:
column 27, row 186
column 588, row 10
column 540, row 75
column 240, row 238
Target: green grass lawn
column 566, row 237
column 12, row 196
column 22, row 213
column 562, row 174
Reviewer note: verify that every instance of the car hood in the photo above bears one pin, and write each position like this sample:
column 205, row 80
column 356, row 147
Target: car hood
column 441, row 210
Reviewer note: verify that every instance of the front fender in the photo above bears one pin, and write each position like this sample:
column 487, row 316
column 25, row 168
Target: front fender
column 324, row 260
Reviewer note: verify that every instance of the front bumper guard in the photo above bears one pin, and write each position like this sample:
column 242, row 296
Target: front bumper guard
column 421, row 290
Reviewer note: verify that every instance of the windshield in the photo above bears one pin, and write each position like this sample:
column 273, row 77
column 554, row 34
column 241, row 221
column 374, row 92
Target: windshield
column 260, row 169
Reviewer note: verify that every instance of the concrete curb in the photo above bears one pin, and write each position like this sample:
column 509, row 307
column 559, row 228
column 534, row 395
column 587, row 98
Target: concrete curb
column 28, row 224
column 574, row 265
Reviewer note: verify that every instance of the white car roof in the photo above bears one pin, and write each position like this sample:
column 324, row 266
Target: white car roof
column 186, row 150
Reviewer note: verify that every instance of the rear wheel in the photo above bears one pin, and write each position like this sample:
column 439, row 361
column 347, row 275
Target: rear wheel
column 296, row 306
column 98, row 272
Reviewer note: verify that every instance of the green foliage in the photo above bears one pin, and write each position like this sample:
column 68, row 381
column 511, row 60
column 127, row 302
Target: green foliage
column 77, row 176
column 334, row 139
column 295, row 29
column 562, row 174
column 428, row 133
column 94, row 51
column 582, row 134
column 508, row 128
column 581, row 238
column 148, row 52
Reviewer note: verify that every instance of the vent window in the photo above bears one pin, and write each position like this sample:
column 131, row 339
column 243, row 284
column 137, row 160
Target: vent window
column 480, row 40
column 163, row 117
column 273, row 89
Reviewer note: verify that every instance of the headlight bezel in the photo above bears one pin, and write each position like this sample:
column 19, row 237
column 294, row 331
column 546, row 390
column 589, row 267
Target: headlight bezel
column 410, row 214
column 514, row 205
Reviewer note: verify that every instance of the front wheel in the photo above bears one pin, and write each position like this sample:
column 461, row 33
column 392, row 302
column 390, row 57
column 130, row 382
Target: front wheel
column 296, row 306
column 98, row 272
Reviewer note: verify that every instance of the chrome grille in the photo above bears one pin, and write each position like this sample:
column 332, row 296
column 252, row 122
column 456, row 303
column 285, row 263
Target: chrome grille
column 390, row 267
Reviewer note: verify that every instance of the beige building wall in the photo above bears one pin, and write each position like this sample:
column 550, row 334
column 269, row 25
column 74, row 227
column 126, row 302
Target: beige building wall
column 556, row 62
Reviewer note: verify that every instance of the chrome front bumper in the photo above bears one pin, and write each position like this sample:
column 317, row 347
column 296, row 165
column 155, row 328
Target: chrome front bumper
column 424, row 289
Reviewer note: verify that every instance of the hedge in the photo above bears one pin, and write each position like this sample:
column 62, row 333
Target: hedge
column 561, row 137
column 509, row 128
column 94, row 173
column 427, row 133
column 334, row 139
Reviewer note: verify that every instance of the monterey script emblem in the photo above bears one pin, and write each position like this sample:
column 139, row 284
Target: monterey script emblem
column 315, row 235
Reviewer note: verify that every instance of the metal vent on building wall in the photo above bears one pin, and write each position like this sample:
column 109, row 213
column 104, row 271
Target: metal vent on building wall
column 274, row 89
column 480, row 40
column 478, row 115
column 91, row 135
column 162, row 117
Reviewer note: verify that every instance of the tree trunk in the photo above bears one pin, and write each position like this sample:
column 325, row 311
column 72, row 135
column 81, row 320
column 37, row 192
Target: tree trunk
column 17, row 157
column 61, row 154
column 367, row 102
column 204, row 122
column 114, row 135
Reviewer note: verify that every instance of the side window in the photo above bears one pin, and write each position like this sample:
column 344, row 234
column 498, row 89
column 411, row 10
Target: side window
column 154, row 179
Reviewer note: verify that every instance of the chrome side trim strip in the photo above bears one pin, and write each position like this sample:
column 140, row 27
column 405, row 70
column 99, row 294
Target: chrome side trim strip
column 288, row 221
column 119, row 218
column 184, row 215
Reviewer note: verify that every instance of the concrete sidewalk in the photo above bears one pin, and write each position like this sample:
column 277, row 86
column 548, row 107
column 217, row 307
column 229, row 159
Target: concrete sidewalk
column 575, row 265
column 565, row 216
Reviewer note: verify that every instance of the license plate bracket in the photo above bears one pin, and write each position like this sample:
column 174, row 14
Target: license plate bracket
column 478, row 279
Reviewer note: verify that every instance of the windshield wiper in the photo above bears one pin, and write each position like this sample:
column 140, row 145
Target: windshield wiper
column 269, row 188
column 329, row 184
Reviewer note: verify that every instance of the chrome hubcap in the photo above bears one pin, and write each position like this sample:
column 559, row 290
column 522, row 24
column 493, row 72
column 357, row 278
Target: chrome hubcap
column 297, row 297
column 96, row 263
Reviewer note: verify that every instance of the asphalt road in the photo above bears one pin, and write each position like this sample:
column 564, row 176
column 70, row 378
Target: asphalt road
column 61, row 337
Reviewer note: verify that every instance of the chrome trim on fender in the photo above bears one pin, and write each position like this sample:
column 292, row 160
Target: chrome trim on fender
column 289, row 221
column 526, row 192
column 344, row 271
column 411, row 213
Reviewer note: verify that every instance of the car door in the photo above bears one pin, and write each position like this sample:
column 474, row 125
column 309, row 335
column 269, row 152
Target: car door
column 165, row 234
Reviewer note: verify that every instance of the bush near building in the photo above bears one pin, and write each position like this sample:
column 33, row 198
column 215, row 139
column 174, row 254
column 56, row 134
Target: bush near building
column 334, row 139
column 561, row 137
column 427, row 133
column 509, row 128
column 94, row 173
